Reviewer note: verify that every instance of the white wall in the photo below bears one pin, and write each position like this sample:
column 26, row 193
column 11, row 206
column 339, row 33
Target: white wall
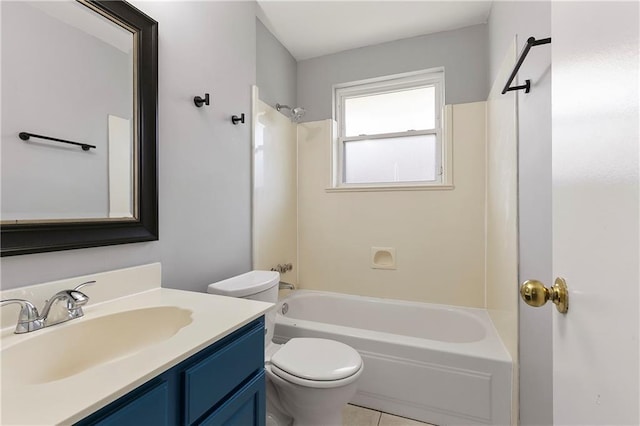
column 276, row 69
column 438, row 235
column 204, row 160
column 275, row 206
column 531, row 19
column 463, row 53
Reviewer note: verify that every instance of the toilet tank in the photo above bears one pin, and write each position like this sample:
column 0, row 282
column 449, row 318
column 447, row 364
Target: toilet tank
column 255, row 285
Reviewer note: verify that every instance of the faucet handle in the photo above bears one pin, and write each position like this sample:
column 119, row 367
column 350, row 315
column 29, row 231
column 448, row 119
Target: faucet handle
column 28, row 319
column 77, row 300
column 84, row 285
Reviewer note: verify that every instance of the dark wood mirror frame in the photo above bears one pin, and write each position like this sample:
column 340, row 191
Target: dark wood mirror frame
column 30, row 238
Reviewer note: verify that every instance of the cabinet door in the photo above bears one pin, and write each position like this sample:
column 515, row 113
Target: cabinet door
column 148, row 407
column 245, row 408
column 210, row 380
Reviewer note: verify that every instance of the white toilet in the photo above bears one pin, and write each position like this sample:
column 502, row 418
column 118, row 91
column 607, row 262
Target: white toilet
column 308, row 380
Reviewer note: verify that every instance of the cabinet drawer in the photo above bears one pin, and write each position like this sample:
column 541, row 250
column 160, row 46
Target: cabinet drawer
column 245, row 408
column 211, row 379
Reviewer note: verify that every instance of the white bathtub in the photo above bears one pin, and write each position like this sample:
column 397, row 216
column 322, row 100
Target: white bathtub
column 435, row 363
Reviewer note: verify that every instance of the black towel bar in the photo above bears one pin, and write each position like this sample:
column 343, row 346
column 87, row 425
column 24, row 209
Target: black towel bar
column 25, row 137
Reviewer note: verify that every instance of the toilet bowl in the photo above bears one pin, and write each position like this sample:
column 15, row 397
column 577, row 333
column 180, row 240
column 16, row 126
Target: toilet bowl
column 308, row 380
column 314, row 379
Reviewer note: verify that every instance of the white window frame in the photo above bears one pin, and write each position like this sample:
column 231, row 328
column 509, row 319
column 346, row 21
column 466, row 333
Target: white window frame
column 426, row 78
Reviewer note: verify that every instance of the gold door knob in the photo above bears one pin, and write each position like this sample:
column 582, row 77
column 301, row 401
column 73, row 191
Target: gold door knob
column 534, row 293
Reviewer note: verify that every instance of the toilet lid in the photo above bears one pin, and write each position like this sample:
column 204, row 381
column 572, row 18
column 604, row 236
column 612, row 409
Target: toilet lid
column 246, row 284
column 317, row 359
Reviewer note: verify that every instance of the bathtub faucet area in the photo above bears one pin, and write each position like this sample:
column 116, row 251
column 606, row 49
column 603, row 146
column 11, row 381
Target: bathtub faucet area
column 283, row 268
column 286, row 286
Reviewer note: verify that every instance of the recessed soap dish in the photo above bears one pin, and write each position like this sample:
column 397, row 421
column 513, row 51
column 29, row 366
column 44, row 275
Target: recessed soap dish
column 383, row 258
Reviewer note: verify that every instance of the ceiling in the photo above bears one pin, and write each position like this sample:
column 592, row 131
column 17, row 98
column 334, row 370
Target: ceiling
column 315, row 28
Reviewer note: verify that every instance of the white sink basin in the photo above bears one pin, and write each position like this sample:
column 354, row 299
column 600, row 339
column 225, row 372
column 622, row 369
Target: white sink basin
column 83, row 343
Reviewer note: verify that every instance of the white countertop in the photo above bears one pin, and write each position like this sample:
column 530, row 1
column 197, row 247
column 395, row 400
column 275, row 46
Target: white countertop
column 70, row 399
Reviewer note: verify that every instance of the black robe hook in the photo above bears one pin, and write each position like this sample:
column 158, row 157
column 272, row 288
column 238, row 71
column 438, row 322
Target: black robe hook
column 200, row 101
column 235, row 119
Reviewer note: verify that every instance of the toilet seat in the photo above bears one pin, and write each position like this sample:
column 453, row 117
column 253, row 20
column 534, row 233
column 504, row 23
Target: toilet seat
column 316, row 363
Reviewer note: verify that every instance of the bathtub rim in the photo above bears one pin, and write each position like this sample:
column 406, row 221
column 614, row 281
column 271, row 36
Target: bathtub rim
column 491, row 348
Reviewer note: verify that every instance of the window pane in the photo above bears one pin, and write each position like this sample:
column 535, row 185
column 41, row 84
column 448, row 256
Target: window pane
column 403, row 159
column 412, row 109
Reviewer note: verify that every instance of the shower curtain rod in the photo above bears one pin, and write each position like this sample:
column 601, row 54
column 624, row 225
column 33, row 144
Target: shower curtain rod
column 531, row 41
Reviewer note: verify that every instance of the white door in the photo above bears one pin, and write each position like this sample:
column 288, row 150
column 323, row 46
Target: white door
column 595, row 84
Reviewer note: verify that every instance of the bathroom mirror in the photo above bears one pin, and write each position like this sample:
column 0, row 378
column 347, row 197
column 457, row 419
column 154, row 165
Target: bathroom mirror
column 79, row 125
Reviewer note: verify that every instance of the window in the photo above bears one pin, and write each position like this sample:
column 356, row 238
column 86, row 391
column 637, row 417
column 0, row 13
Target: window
column 390, row 132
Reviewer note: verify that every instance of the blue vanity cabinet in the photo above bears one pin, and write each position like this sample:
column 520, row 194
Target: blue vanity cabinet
column 242, row 408
column 223, row 384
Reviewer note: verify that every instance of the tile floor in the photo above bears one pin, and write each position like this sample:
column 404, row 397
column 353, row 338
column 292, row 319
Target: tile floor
column 352, row 415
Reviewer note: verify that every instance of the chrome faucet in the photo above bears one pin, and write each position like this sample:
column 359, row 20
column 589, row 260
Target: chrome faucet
column 75, row 300
column 285, row 286
column 29, row 320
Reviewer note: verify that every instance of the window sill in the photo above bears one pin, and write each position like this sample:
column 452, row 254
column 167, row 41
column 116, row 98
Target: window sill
column 382, row 188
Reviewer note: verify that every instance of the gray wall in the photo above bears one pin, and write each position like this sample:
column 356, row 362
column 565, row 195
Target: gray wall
column 204, row 160
column 49, row 71
column 528, row 19
column 463, row 53
column 276, row 69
